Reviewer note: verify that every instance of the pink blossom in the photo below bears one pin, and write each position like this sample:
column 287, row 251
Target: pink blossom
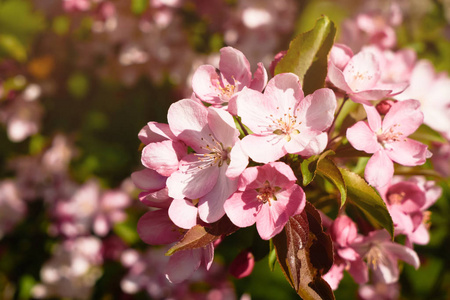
column 360, row 75
column 89, row 207
column 283, row 121
column 433, row 91
column 407, row 202
column 382, row 255
column 387, row 140
column 72, row 271
column 268, row 196
column 209, row 174
column 221, row 87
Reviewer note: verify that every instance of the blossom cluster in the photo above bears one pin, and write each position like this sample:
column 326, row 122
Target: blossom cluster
column 232, row 151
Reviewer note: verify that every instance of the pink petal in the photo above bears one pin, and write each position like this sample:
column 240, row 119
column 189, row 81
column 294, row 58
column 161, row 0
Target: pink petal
column 315, row 146
column 317, row 110
column 405, row 116
column 403, row 253
column 155, row 228
column 238, row 161
column 148, row 180
column 183, row 213
column 264, row 149
column 336, row 76
column 210, row 206
column 420, row 236
column 223, row 127
column 182, row 264
column 158, row 199
column 365, row 97
column 379, row 169
column 259, row 80
column 362, row 138
column 163, row 157
column 234, row 65
column 300, row 141
column 285, row 91
column 359, row 271
column 254, row 108
column 362, row 72
column 192, row 180
column 242, row 265
column 340, row 55
column 408, row 152
column 188, row 120
column 242, row 208
column 204, row 83
column 373, row 117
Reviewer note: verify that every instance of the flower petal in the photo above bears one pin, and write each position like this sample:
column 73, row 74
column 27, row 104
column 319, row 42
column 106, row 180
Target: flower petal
column 182, row 264
column 264, row 149
column 242, row 208
column 362, row 138
column 155, row 228
column 408, row 152
column 379, row 169
column 183, row 213
column 405, row 116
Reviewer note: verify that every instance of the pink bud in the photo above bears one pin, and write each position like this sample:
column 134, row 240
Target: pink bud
column 384, row 106
column 242, row 265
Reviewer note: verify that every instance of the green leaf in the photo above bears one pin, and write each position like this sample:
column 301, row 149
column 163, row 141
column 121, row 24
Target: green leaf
column 305, row 253
column 307, row 56
column 367, row 199
column 308, row 167
column 426, row 134
column 329, row 170
column 139, row 6
column 199, row 236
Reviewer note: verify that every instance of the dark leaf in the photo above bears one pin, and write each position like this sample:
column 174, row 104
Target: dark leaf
column 305, row 253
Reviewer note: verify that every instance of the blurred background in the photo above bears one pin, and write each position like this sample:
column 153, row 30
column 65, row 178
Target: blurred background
column 80, row 78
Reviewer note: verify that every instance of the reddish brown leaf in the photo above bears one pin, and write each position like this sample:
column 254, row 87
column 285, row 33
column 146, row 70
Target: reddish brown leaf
column 199, row 236
column 305, row 253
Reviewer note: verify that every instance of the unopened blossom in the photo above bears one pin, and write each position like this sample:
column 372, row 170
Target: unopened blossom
column 242, row 265
column 382, row 255
column 210, row 173
column 388, row 140
column 220, row 87
column 268, row 196
column 360, row 75
column 283, row 120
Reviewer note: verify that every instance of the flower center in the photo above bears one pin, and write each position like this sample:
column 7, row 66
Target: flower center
column 389, row 136
column 225, row 89
column 267, row 193
column 286, row 125
column 375, row 256
column 396, row 198
column 217, row 155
